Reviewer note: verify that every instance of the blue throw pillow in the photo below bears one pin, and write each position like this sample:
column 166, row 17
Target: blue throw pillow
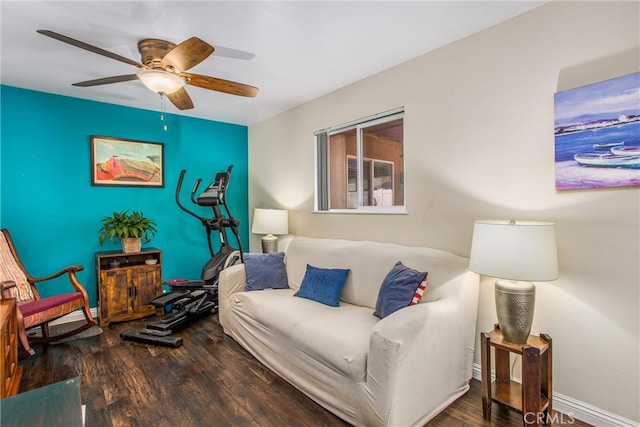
column 397, row 289
column 323, row 285
column 265, row 271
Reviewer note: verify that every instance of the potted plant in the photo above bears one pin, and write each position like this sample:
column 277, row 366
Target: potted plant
column 132, row 229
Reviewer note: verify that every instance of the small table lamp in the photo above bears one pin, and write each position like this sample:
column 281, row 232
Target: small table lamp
column 513, row 251
column 270, row 222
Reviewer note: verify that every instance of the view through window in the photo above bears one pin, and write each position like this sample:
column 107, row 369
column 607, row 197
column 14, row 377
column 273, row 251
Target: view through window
column 360, row 165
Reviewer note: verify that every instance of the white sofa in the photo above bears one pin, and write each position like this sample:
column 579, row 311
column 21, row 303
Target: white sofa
column 398, row 371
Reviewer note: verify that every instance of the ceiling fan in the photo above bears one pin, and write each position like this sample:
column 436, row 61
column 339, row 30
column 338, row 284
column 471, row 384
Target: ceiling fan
column 163, row 68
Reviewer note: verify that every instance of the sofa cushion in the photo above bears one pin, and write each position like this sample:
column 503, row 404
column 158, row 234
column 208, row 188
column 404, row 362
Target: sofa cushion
column 398, row 289
column 323, row 285
column 265, row 271
column 29, row 308
column 304, row 333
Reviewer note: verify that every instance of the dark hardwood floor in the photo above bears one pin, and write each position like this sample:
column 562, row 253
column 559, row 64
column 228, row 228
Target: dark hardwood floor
column 209, row 381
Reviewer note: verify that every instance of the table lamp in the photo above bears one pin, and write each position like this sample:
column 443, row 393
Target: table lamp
column 515, row 252
column 270, row 222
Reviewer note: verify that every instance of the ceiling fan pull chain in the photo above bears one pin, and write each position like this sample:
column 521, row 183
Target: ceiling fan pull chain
column 164, row 125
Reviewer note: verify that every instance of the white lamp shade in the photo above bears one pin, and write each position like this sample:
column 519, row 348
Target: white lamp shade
column 270, row 221
column 161, row 81
column 516, row 250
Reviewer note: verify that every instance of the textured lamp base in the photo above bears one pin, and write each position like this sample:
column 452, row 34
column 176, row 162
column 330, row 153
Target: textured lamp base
column 269, row 244
column 515, row 304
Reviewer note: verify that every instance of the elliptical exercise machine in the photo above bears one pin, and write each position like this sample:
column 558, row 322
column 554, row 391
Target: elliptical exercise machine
column 191, row 299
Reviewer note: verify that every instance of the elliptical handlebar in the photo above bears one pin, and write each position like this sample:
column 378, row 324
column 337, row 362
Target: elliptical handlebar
column 194, row 190
column 179, row 187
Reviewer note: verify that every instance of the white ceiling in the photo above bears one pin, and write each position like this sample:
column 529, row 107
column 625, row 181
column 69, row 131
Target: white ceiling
column 300, row 49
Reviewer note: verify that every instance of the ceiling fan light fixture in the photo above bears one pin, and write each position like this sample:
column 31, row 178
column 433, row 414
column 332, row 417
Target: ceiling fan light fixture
column 161, row 81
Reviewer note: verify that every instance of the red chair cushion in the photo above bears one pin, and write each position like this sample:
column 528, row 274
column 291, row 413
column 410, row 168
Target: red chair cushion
column 29, row 308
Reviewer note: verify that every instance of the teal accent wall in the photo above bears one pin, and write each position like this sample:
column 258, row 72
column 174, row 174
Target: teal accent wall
column 53, row 212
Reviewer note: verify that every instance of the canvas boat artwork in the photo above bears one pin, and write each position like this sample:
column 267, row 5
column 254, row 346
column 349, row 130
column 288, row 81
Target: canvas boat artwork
column 607, row 145
column 608, row 160
column 597, row 134
column 624, row 151
column 619, row 156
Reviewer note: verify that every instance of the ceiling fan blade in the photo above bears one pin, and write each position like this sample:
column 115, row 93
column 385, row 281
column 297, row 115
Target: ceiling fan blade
column 90, row 48
column 181, row 99
column 228, row 52
column 187, row 54
column 107, row 80
column 220, row 85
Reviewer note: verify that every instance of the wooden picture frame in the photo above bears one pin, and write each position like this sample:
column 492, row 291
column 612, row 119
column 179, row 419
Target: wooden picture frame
column 126, row 162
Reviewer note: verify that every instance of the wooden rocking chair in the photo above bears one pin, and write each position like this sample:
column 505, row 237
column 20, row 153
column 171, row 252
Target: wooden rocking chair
column 16, row 282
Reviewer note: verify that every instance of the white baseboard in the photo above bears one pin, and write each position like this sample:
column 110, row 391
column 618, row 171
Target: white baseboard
column 579, row 410
column 76, row 316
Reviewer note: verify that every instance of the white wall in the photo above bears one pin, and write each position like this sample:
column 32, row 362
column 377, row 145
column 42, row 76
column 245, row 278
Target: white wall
column 479, row 144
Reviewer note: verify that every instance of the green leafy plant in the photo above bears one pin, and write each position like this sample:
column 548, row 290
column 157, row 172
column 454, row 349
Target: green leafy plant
column 123, row 225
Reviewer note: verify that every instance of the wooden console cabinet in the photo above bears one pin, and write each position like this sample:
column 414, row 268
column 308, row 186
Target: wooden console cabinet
column 11, row 371
column 533, row 396
column 124, row 291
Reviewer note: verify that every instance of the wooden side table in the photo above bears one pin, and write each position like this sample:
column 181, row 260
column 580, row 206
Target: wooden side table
column 533, row 397
column 126, row 289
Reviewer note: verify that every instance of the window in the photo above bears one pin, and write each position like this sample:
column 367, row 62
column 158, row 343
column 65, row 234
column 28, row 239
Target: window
column 360, row 165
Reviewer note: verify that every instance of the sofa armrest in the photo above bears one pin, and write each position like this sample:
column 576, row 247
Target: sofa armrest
column 232, row 279
column 419, row 357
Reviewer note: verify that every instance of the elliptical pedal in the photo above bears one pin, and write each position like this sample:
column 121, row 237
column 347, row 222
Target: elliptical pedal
column 156, row 332
column 150, row 339
column 168, row 298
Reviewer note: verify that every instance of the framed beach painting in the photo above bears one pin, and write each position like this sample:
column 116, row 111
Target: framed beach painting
column 126, row 162
column 597, row 134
